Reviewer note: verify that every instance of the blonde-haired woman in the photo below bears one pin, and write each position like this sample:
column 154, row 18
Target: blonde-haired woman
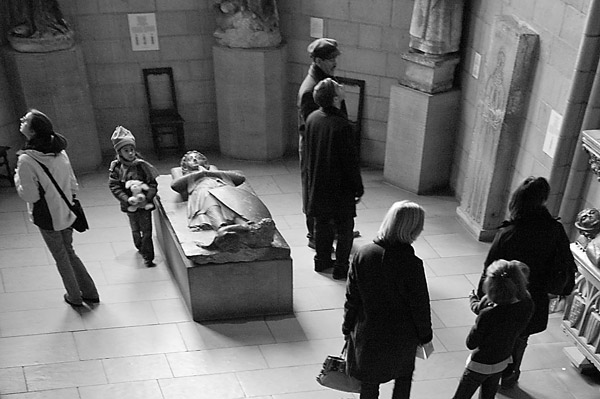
column 387, row 313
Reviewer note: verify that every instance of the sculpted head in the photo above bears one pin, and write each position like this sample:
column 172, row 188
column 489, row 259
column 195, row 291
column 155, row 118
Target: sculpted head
column 193, row 160
column 588, row 222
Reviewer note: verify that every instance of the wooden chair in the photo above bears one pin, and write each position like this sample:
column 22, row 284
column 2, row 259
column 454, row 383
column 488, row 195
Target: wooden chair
column 165, row 121
column 4, row 162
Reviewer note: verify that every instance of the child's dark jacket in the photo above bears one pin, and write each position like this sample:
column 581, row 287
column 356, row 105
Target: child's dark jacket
column 120, row 172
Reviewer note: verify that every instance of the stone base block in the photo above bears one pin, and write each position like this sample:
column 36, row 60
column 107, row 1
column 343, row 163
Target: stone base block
column 56, row 84
column 251, row 91
column 221, row 286
column 429, row 73
column 420, row 139
column 480, row 234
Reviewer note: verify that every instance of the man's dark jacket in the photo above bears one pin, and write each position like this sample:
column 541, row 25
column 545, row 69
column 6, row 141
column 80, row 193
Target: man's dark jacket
column 333, row 166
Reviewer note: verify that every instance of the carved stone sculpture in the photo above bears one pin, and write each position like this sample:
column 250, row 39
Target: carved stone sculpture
column 37, row 26
column 218, row 200
column 436, row 26
column 247, row 23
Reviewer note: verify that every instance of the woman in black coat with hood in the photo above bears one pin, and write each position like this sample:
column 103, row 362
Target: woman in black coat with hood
column 534, row 237
column 387, row 313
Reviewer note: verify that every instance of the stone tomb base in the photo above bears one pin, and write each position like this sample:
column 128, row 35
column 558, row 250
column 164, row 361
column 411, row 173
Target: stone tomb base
column 215, row 285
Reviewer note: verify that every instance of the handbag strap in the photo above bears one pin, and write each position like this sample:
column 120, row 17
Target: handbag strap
column 62, row 194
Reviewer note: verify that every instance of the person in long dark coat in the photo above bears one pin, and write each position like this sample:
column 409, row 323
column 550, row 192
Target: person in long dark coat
column 334, row 184
column 324, row 53
column 387, row 312
column 534, row 237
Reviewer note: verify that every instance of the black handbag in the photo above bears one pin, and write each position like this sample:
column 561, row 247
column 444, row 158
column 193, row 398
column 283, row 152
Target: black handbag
column 334, row 374
column 80, row 224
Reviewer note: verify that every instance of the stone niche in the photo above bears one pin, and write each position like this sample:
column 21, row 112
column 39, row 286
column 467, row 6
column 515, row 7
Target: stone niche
column 221, row 285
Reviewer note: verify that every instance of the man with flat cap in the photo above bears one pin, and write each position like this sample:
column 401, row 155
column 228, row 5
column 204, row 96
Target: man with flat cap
column 323, row 52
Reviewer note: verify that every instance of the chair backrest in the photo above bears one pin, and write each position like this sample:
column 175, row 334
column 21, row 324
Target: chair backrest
column 160, row 89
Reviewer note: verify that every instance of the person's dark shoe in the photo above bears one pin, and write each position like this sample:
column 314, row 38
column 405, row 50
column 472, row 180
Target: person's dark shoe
column 510, row 381
column 322, row 265
column 149, row 263
column 72, row 303
column 91, row 300
column 340, row 273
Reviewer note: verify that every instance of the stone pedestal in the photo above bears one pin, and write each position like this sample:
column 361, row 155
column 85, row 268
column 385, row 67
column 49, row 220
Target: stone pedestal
column 429, row 73
column 420, row 139
column 251, row 92
column 221, row 285
column 501, row 104
column 56, row 84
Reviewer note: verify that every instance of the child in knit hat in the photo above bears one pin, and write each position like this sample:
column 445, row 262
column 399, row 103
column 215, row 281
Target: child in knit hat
column 127, row 166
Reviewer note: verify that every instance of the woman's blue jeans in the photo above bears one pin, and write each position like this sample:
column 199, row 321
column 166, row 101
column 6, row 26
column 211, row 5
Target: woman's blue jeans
column 75, row 276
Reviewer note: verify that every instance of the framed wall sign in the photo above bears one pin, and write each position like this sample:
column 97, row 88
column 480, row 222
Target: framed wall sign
column 143, row 32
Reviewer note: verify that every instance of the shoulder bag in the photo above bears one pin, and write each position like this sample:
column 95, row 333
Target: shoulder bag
column 80, row 224
column 334, row 374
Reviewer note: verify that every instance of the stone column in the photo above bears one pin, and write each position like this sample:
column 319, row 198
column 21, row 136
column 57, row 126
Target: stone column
column 423, row 107
column 250, row 80
column 56, row 84
column 501, row 106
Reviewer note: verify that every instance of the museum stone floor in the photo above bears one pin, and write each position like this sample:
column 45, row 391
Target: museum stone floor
column 140, row 341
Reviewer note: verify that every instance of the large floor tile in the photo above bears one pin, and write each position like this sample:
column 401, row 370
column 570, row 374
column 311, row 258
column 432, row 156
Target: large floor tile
column 301, row 352
column 128, row 341
column 125, row 314
column 136, row 368
column 280, row 380
column 222, row 386
column 456, row 265
column 43, row 321
column 129, row 390
column 24, row 257
column 321, row 324
column 456, row 244
column 63, row 393
column 449, row 287
column 37, row 349
column 453, row 312
column 64, row 375
column 12, row 380
column 227, row 334
column 216, row 361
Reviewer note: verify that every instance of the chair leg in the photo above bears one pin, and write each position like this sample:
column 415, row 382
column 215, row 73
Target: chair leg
column 180, row 139
column 156, row 141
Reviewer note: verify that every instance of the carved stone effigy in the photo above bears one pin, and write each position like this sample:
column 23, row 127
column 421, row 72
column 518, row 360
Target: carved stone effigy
column 247, row 23
column 501, row 105
column 217, row 283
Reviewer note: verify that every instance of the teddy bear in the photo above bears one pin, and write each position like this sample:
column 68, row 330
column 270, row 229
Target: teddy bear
column 137, row 199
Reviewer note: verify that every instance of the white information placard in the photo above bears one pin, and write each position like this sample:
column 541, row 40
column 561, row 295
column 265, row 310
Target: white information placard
column 316, row 27
column 552, row 133
column 143, row 32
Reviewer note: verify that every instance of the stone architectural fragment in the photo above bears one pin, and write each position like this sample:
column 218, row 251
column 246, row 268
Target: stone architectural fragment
column 507, row 76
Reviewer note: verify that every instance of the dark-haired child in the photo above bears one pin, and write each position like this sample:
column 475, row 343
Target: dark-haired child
column 128, row 166
column 502, row 318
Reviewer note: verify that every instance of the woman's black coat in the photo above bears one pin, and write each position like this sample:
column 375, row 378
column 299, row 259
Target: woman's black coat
column 387, row 311
column 539, row 241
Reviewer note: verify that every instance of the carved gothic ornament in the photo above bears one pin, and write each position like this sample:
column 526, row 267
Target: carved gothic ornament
column 591, row 144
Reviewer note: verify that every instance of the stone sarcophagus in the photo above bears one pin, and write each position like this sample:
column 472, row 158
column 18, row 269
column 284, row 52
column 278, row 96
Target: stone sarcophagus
column 221, row 283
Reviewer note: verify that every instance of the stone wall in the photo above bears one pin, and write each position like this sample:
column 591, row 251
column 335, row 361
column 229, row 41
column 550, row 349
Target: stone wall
column 371, row 34
column 560, row 24
column 185, row 30
column 9, row 123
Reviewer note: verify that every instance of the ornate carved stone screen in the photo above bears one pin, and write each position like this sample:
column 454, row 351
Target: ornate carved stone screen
column 591, row 143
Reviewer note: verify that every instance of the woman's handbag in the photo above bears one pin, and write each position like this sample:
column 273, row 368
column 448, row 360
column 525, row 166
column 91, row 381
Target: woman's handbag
column 80, row 224
column 334, row 374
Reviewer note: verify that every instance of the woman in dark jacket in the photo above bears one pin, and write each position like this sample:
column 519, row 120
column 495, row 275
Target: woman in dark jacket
column 387, row 313
column 534, row 237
